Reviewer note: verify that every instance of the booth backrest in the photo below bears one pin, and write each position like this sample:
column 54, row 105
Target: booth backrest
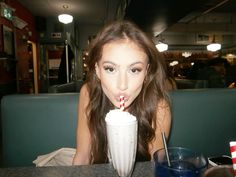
column 33, row 125
column 191, row 84
column 70, row 87
column 203, row 120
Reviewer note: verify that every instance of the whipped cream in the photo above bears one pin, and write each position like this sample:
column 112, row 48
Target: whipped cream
column 119, row 117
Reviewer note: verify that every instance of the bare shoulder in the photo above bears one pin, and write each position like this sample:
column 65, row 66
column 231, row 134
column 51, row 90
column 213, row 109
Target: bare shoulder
column 163, row 104
column 162, row 123
column 84, row 90
column 163, row 107
column 163, row 114
column 84, row 96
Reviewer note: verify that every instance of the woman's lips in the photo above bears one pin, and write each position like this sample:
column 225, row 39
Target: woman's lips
column 125, row 97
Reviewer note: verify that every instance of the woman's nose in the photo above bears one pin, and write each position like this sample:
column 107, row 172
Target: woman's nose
column 122, row 83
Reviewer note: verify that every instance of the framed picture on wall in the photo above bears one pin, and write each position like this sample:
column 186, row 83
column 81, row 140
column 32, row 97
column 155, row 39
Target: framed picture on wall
column 8, row 40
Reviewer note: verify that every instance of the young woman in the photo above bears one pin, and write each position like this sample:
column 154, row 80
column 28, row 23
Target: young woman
column 122, row 61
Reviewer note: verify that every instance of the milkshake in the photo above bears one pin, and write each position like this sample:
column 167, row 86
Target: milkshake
column 121, row 130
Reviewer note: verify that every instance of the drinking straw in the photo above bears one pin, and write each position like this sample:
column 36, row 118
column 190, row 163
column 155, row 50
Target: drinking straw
column 122, row 103
column 233, row 154
column 166, row 148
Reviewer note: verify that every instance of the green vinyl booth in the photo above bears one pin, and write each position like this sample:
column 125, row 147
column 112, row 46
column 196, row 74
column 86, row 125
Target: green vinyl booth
column 203, row 120
column 33, row 125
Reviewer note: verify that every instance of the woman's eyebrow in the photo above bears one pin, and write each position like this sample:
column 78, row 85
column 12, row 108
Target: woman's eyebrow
column 139, row 62
column 113, row 63
column 108, row 62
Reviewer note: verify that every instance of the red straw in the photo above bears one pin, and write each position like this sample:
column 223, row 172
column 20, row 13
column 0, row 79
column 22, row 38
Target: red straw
column 122, row 103
column 233, row 155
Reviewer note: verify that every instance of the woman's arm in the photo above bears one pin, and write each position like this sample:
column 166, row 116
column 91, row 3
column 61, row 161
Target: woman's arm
column 83, row 135
column 163, row 124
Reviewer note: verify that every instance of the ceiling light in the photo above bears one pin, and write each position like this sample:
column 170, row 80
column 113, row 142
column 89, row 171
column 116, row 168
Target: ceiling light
column 161, row 47
column 65, row 18
column 173, row 63
column 186, row 54
column 230, row 55
column 213, row 47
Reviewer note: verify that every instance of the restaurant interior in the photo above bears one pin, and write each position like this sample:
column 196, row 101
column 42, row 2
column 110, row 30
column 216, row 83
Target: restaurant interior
column 33, row 40
column 40, row 54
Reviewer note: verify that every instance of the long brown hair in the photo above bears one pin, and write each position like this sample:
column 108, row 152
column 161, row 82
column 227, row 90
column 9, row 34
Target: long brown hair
column 143, row 107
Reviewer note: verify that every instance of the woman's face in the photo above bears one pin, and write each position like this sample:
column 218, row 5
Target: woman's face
column 122, row 70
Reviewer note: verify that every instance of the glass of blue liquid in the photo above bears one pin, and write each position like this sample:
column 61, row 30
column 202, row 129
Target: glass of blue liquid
column 183, row 163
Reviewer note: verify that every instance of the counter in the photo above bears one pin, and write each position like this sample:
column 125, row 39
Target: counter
column 99, row 170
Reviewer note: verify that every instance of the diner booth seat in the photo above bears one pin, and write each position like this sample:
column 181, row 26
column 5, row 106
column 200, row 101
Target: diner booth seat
column 73, row 86
column 203, row 120
column 191, row 84
column 33, row 125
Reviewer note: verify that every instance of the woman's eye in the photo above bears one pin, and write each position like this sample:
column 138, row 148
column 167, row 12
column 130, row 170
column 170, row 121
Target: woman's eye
column 136, row 70
column 109, row 69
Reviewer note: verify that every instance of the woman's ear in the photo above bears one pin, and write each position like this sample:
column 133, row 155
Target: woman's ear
column 97, row 71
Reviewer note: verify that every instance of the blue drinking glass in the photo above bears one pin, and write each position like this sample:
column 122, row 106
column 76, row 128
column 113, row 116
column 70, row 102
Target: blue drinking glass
column 183, row 163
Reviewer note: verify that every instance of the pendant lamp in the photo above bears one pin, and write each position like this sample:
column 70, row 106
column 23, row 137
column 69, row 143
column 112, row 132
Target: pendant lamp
column 161, row 47
column 213, row 47
column 65, row 18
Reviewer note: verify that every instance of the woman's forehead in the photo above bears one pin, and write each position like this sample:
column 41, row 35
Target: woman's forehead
column 123, row 50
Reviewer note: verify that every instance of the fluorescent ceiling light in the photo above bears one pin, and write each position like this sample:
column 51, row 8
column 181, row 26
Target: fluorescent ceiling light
column 186, row 54
column 161, row 47
column 213, row 47
column 65, row 18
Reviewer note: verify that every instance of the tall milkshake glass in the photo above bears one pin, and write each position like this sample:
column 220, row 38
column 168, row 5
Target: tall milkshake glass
column 121, row 130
